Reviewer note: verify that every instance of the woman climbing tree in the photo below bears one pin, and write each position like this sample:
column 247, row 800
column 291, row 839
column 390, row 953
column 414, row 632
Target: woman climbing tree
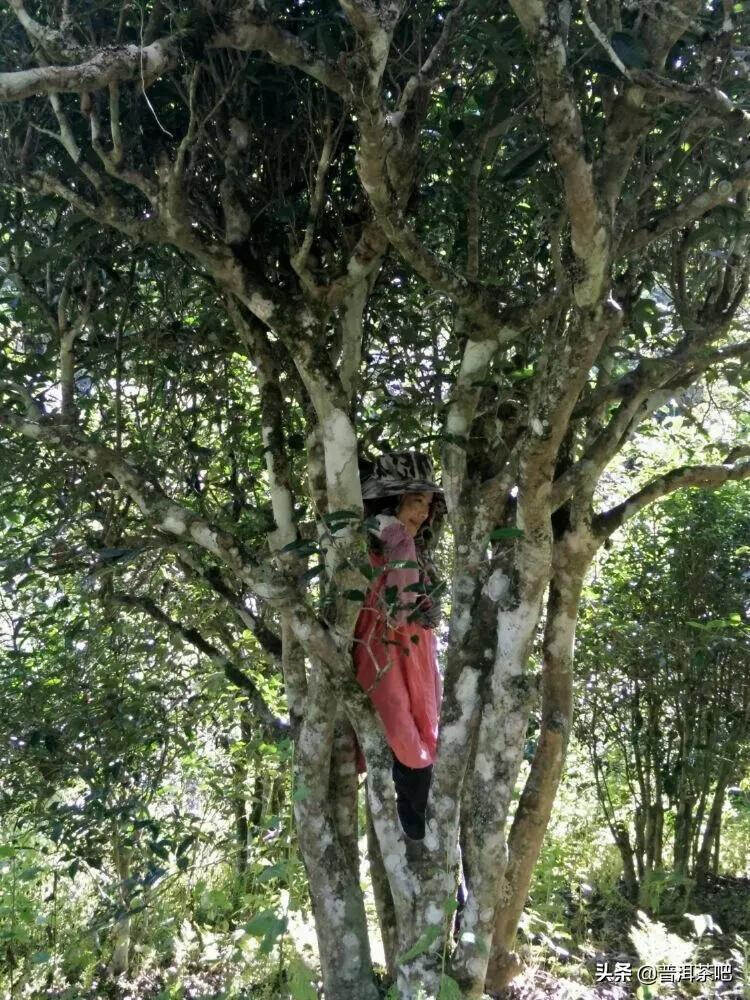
column 395, row 653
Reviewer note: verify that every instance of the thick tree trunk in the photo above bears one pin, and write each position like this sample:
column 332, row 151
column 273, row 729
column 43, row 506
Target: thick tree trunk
column 256, row 809
column 118, row 964
column 337, row 901
column 622, row 840
column 682, row 832
column 572, row 556
column 343, row 790
column 241, row 831
column 659, row 836
column 683, row 825
column 639, row 826
column 713, row 825
column 469, row 661
column 491, row 786
column 507, row 697
column 716, row 851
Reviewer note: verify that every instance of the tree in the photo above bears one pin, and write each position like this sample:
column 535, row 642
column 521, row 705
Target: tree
column 666, row 706
column 552, row 182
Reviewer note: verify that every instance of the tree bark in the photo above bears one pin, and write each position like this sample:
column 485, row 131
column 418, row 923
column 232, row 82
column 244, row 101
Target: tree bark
column 118, row 964
column 381, row 890
column 343, row 790
column 337, row 901
column 713, row 825
column 622, row 840
column 572, row 556
column 506, row 701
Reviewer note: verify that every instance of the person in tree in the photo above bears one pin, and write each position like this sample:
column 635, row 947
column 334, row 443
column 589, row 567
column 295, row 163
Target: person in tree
column 395, row 652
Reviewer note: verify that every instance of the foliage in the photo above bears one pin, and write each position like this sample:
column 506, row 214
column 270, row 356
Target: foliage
column 663, row 666
column 244, row 247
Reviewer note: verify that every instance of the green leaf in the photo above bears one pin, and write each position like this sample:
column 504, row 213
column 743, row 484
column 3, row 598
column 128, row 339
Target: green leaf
column 449, row 989
column 354, row 595
column 501, row 533
column 29, row 874
column 271, row 872
column 300, row 793
column 185, row 843
column 459, row 440
column 268, row 926
column 340, row 517
column 154, row 875
column 112, row 555
column 301, row 980
column 40, row 957
column 159, row 848
column 422, row 944
column 368, row 571
column 300, row 547
column 311, row 573
column 455, row 127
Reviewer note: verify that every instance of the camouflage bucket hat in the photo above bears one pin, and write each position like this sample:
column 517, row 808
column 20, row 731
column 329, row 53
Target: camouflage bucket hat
column 398, row 472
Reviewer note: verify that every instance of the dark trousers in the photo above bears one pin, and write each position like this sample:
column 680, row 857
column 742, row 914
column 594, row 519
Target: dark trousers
column 412, row 788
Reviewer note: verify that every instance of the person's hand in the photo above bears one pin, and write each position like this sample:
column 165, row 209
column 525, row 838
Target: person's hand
column 430, row 614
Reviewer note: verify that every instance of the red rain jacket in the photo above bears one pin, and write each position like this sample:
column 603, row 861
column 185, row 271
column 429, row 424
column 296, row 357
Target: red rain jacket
column 395, row 660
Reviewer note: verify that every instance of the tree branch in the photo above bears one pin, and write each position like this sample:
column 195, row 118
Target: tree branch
column 683, row 214
column 264, row 580
column 231, row 665
column 283, row 47
column 424, row 78
column 710, row 100
column 47, row 38
column 68, row 141
column 69, row 333
column 602, row 39
column 707, row 476
column 107, row 214
column 217, row 258
column 642, row 391
column 113, row 161
column 658, row 371
column 374, row 23
column 479, row 305
column 317, row 195
column 192, row 568
column 157, row 508
column 590, row 238
column 128, row 62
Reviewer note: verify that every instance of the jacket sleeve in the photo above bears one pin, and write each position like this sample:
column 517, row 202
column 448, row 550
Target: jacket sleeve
column 399, row 546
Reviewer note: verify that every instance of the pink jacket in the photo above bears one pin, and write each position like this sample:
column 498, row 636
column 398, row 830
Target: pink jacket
column 396, row 660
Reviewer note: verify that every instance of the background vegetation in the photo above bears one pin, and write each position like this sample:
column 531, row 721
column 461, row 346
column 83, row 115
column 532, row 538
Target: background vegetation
column 281, row 248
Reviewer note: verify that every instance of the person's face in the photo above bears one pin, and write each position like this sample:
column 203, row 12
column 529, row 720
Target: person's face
column 414, row 510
